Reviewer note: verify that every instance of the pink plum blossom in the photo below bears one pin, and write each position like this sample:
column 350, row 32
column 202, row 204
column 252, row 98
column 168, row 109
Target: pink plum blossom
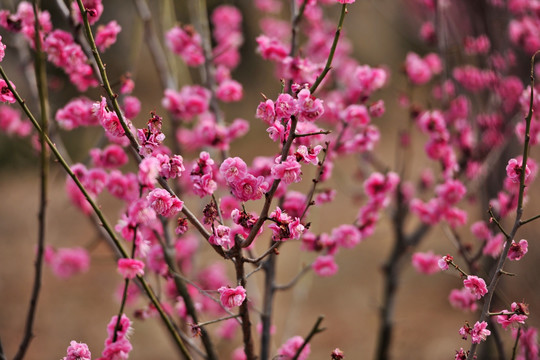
column 477, row 286
column 231, row 297
column 514, row 170
column 479, row 332
column 288, row 171
column 130, row 268
column 164, row 203
column 518, row 315
column 463, row 299
column 291, row 346
column 518, row 250
column 426, row 263
column 78, row 351
column 67, row 262
column 106, row 35
column 325, row 265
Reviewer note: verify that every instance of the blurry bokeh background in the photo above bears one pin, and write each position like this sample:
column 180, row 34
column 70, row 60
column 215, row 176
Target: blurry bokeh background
column 382, row 32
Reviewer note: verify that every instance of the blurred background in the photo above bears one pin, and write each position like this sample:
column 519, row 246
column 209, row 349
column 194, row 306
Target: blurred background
column 382, row 32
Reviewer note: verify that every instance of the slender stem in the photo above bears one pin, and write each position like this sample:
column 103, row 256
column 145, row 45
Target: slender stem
column 314, row 331
column 514, row 349
column 218, row 320
column 322, row 132
column 243, row 312
column 199, row 11
column 41, row 83
column 188, row 301
column 121, row 311
column 501, row 229
column 154, row 46
column 328, row 65
column 113, row 98
column 269, row 251
column 309, row 198
column 523, row 222
column 293, row 282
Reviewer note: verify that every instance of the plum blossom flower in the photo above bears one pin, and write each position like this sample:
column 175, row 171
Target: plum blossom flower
column 231, row 297
column 479, row 332
column 518, row 314
column 289, row 171
column 325, row 265
column 291, row 346
column 517, row 251
column 66, row 262
column 5, row 94
column 514, row 170
column 463, row 299
column 477, row 286
column 164, row 203
column 78, row 351
column 444, row 261
column 106, row 35
column 130, row 268
column 221, row 237
column 426, row 263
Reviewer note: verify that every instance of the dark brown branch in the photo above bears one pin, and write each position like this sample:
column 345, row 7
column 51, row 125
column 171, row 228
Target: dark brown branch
column 41, row 82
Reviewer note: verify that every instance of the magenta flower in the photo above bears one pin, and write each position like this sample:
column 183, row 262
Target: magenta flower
column 266, row 112
column 2, row 49
column 479, row 332
column 477, row 286
column 325, row 265
column 130, row 268
column 291, row 346
column 5, row 94
column 233, row 169
column 221, row 237
column 517, row 251
column 106, row 35
column 67, row 262
column 426, row 263
column 514, row 169
column 347, row 236
column 164, row 203
column 124, row 330
column 518, row 315
column 78, row 351
column 462, row 299
column 289, row 171
column 231, row 297
column 186, row 43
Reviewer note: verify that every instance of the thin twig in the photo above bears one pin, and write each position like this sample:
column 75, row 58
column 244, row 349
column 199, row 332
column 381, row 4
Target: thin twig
column 320, row 171
column 523, row 222
column 291, row 283
column 218, row 320
column 314, row 331
column 322, row 132
column 328, row 64
column 514, row 349
column 41, row 82
column 269, row 251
